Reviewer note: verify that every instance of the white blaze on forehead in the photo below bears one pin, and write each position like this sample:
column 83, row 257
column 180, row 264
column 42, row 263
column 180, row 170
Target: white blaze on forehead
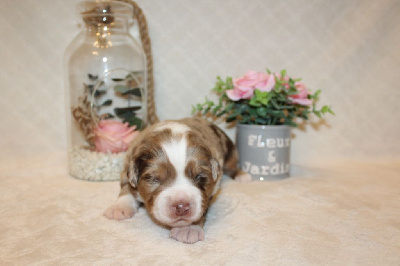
column 174, row 126
column 176, row 153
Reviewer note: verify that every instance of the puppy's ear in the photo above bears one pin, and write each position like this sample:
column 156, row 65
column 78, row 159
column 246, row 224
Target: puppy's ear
column 216, row 169
column 216, row 163
column 132, row 173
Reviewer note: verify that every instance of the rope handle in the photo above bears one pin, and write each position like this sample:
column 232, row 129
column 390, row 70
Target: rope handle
column 146, row 44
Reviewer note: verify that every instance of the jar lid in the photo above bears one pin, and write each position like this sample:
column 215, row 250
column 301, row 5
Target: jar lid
column 103, row 11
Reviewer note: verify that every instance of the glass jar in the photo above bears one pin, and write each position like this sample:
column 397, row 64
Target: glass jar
column 105, row 71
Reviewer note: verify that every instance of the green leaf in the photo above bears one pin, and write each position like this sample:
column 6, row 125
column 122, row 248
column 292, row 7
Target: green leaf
column 292, row 91
column 279, row 114
column 93, row 77
column 244, row 120
column 121, row 89
column 99, row 93
column 281, row 97
column 216, row 109
column 262, row 111
column 209, row 103
column 291, row 83
column 221, row 113
column 270, row 95
column 117, row 79
column 254, row 102
column 127, row 111
column 289, row 107
column 278, row 83
column 134, row 121
column 257, row 93
column 304, row 115
column 229, row 83
column 275, row 104
column 107, row 103
column 252, row 112
column 325, row 109
column 136, row 92
column 289, row 122
column 315, row 95
column 261, row 121
column 206, row 110
column 283, row 73
column 231, row 117
column 229, row 107
column 124, row 90
column 264, row 101
column 278, row 89
column 260, row 94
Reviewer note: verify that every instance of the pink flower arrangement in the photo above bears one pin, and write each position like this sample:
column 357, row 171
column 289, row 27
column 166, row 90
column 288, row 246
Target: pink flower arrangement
column 245, row 86
column 302, row 96
column 113, row 136
column 263, row 98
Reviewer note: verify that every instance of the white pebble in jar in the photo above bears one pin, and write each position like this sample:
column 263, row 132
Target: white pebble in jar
column 95, row 166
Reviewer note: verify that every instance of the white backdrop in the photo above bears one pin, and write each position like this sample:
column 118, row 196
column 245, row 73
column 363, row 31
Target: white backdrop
column 348, row 48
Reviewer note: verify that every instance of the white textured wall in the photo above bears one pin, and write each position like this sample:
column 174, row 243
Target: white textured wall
column 348, row 48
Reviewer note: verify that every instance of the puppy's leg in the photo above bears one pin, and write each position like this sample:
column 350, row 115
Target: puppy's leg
column 125, row 206
column 243, row 177
column 231, row 157
column 231, row 166
column 189, row 234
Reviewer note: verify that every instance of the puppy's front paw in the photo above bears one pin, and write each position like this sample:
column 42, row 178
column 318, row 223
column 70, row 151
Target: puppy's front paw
column 117, row 212
column 188, row 234
column 243, row 177
column 124, row 208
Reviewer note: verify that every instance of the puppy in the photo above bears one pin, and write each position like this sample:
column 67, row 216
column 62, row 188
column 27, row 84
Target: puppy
column 175, row 168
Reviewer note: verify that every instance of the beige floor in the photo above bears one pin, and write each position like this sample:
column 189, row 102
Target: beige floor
column 337, row 214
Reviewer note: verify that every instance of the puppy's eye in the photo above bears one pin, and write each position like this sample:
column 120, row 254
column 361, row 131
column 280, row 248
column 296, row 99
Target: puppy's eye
column 200, row 179
column 152, row 180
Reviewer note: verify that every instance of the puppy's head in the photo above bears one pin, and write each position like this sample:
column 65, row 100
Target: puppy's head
column 175, row 174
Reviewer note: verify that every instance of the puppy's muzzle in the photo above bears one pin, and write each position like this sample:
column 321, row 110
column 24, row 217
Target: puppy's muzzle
column 181, row 209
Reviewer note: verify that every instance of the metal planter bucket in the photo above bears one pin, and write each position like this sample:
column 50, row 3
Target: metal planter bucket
column 264, row 151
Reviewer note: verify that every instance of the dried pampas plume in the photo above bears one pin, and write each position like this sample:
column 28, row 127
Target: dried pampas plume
column 83, row 116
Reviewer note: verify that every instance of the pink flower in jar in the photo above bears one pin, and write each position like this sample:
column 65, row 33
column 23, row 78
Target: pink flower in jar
column 113, row 136
column 245, row 86
column 302, row 97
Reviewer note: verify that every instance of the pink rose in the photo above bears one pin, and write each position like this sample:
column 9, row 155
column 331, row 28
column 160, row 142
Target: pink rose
column 245, row 86
column 302, row 97
column 113, row 136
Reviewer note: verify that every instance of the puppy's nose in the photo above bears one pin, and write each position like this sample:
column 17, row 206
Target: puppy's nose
column 181, row 208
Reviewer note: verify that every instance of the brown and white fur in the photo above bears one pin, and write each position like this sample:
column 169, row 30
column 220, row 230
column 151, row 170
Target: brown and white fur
column 175, row 168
